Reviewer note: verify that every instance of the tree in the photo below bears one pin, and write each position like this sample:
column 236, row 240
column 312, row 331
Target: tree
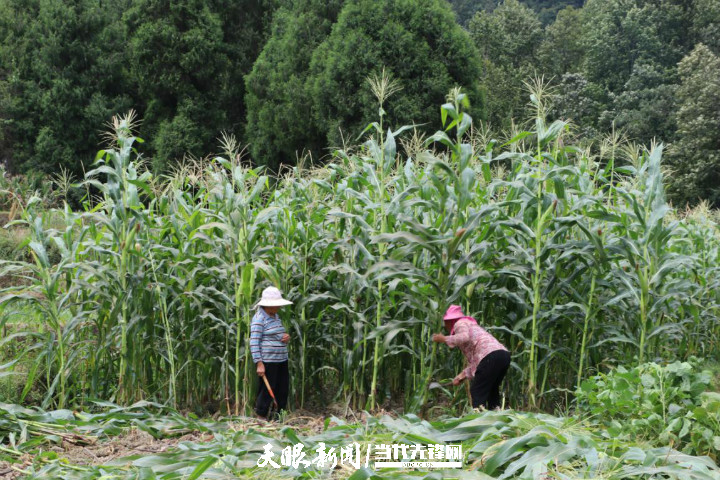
column 620, row 33
column 420, row 44
column 580, row 102
column 695, row 157
column 508, row 39
column 465, row 10
column 278, row 101
column 706, row 24
column 61, row 78
column 548, row 10
column 187, row 61
column 644, row 108
column 562, row 50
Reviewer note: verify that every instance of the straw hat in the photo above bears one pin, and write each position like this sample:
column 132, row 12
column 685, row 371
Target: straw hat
column 271, row 297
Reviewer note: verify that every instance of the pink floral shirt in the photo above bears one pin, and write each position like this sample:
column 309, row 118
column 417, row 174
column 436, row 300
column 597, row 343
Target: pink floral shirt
column 473, row 341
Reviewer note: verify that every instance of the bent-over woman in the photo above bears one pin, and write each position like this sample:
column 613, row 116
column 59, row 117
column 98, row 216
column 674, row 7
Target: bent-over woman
column 488, row 359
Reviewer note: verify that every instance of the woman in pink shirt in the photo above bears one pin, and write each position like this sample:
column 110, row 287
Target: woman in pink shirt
column 488, row 360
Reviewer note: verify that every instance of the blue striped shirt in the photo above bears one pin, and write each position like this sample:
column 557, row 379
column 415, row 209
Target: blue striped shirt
column 266, row 333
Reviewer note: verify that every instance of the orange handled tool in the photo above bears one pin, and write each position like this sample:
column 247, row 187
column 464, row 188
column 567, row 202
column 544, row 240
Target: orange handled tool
column 270, row 391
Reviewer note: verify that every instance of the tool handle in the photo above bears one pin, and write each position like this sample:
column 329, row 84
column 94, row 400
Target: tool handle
column 270, row 390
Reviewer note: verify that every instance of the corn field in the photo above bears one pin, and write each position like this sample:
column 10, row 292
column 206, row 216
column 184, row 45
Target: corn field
column 570, row 256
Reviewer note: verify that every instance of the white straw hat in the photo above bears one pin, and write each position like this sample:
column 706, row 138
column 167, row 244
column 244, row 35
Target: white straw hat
column 271, row 297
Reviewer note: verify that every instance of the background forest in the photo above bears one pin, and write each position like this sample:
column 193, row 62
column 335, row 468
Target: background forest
column 288, row 77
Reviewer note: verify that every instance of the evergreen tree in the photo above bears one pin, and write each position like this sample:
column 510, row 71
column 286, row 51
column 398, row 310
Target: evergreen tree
column 278, row 102
column 621, row 33
column 580, row 102
column 706, row 24
column 465, row 10
column 187, row 61
column 61, row 78
column 632, row 49
column 421, row 45
column 547, row 10
column 644, row 108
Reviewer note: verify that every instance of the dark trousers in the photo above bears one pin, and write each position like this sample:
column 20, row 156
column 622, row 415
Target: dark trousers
column 279, row 379
column 485, row 386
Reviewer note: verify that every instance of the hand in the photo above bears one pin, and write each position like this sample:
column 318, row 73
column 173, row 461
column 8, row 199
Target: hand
column 459, row 379
column 438, row 337
column 261, row 369
column 285, row 338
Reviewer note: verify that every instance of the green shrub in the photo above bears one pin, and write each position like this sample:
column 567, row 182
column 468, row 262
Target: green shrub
column 665, row 404
column 10, row 243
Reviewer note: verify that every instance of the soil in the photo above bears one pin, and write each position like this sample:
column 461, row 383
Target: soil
column 135, row 442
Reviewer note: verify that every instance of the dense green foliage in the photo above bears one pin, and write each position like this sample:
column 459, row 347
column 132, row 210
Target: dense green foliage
column 561, row 49
column 547, row 10
column 425, row 51
column 279, row 102
column 187, row 61
column 67, row 67
column 668, row 404
column 616, row 65
column 287, row 78
column 508, row 58
column 61, row 67
column 314, row 68
column 696, row 155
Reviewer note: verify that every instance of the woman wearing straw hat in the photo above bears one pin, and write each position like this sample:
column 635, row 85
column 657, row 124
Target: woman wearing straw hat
column 488, row 360
column 268, row 346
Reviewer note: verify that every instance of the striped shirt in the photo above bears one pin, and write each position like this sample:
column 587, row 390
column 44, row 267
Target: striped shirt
column 266, row 333
column 474, row 341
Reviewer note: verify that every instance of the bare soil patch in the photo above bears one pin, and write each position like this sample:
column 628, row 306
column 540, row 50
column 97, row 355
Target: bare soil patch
column 135, row 442
column 132, row 443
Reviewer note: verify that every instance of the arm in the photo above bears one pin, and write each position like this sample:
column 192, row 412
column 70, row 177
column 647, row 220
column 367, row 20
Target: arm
column 459, row 378
column 460, row 336
column 256, row 334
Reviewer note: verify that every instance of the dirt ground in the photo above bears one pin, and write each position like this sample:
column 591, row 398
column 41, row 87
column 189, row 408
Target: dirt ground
column 134, row 442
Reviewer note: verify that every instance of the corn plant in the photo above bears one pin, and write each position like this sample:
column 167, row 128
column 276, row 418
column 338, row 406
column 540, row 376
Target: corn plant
column 573, row 260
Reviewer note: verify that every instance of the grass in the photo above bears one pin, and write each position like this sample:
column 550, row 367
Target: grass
column 17, row 357
column 11, row 241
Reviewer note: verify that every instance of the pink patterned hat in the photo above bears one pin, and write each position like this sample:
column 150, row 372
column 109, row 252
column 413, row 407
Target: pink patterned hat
column 453, row 313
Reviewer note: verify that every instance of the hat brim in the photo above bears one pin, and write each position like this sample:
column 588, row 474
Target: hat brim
column 452, row 317
column 274, row 303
